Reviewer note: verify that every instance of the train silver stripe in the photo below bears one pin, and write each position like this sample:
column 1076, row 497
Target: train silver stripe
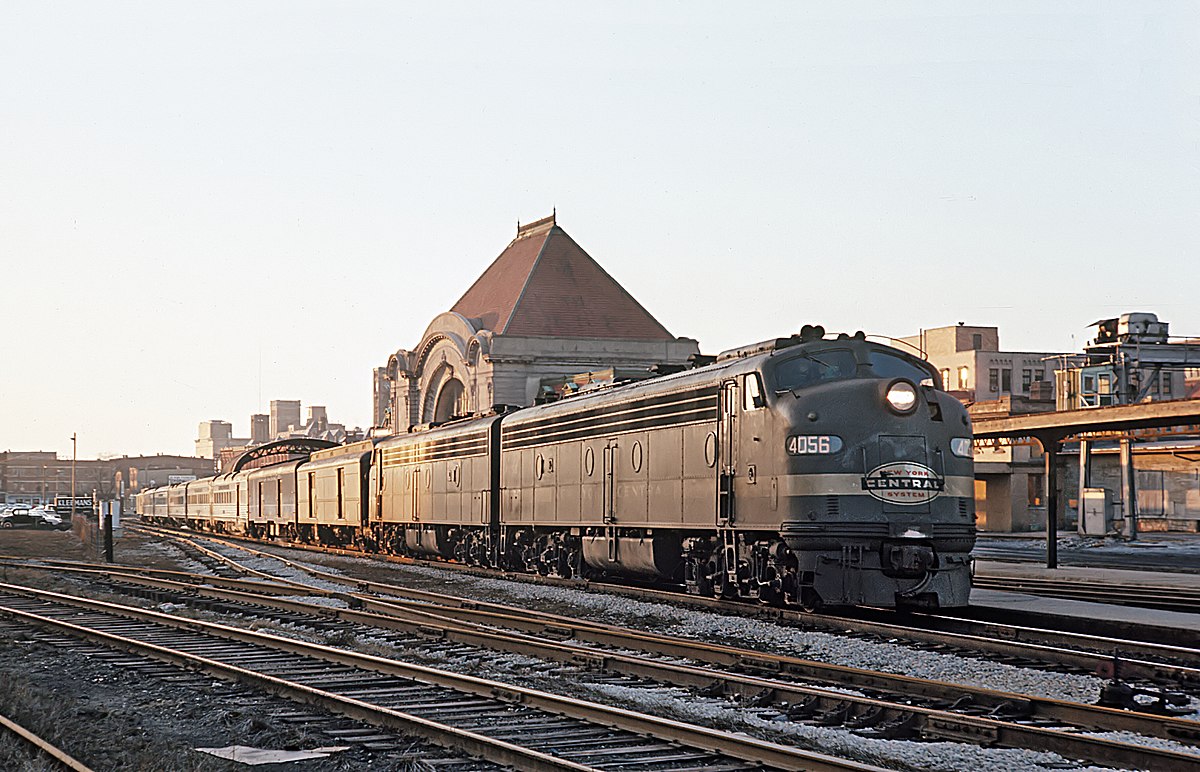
column 534, row 426
column 851, row 485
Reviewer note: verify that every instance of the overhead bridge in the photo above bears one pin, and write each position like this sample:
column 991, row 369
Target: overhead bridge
column 1118, row 421
column 278, row 451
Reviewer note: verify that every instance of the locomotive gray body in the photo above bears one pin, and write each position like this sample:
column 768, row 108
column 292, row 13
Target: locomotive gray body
column 801, row 471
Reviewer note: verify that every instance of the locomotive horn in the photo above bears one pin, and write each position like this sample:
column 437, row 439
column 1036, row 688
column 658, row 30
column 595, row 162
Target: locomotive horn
column 809, row 332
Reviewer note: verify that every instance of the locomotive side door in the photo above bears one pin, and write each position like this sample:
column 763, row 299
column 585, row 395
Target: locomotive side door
column 727, row 437
column 608, row 495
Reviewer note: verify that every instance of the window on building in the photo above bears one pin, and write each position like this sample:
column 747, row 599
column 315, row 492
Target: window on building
column 1026, row 380
column 1165, row 381
column 993, row 380
column 946, row 379
column 1039, row 375
column 1037, row 485
column 1006, row 381
column 964, row 374
column 976, row 341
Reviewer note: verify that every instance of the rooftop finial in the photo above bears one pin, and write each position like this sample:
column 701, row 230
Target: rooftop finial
column 537, row 226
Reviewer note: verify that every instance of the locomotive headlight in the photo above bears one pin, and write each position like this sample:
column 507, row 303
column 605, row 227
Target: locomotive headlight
column 902, row 397
column 961, row 447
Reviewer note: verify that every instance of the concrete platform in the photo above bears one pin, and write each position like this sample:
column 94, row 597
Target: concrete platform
column 1090, row 575
column 1174, row 628
column 1178, row 553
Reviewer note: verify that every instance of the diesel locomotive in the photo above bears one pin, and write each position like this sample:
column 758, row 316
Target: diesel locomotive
column 807, row 470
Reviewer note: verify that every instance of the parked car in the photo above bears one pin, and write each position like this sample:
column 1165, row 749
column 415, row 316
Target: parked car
column 24, row 517
column 50, row 518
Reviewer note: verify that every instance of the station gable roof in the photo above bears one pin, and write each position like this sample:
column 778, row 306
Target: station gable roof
column 544, row 284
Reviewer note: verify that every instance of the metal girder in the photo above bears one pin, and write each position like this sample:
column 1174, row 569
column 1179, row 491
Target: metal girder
column 1059, row 425
column 281, row 450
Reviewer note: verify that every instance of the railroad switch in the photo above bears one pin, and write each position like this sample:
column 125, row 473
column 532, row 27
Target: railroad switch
column 904, row 727
column 1118, row 694
column 1011, row 710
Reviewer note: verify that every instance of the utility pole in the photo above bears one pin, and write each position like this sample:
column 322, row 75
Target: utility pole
column 74, row 449
column 43, row 485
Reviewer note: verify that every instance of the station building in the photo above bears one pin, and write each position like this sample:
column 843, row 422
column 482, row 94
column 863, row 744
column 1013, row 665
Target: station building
column 543, row 310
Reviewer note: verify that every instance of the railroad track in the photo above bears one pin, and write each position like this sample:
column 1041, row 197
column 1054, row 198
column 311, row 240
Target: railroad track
column 1092, row 558
column 505, row 724
column 255, row 717
column 941, row 710
column 1106, row 656
column 1146, row 596
column 59, row 758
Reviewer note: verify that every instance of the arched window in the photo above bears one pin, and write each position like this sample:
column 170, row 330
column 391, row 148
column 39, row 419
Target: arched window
column 451, row 401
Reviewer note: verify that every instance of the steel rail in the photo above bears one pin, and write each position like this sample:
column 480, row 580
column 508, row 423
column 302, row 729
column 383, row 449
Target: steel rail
column 927, row 721
column 276, row 586
column 1106, row 665
column 1106, row 656
column 442, row 735
column 1077, row 558
column 1091, row 717
column 735, row 746
column 64, row 759
column 1170, row 598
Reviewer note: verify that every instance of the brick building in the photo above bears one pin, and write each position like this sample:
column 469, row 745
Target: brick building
column 33, row 477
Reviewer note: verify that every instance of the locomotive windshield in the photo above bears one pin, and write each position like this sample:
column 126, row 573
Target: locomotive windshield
column 888, row 365
column 840, row 364
column 805, row 371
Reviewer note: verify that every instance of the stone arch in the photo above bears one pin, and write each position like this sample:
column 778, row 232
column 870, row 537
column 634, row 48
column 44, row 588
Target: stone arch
column 451, row 401
column 443, row 394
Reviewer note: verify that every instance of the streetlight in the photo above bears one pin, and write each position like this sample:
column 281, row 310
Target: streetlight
column 74, row 448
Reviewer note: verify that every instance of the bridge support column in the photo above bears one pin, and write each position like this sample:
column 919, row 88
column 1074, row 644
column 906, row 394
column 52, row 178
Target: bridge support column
column 1128, row 490
column 1051, row 446
column 1085, row 477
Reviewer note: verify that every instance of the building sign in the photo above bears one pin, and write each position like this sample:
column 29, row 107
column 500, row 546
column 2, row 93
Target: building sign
column 175, row 479
column 62, row 504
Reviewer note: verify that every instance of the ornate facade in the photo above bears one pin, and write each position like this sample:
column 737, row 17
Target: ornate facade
column 543, row 309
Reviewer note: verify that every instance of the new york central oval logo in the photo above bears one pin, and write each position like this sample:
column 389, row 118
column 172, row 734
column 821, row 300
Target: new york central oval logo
column 903, row 482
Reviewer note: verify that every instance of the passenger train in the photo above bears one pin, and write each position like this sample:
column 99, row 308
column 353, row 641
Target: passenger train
column 807, row 470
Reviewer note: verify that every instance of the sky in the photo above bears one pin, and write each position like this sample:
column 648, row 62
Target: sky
column 207, row 206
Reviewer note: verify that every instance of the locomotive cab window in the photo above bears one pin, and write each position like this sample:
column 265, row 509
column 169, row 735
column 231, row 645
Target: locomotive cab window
column 812, row 369
column 752, row 392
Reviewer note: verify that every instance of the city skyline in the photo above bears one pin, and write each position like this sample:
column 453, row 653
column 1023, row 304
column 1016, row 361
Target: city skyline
column 206, row 207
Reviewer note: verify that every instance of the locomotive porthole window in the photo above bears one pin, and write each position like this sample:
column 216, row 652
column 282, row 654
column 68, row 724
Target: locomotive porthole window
column 539, row 466
column 589, row 462
column 636, row 456
column 710, row 450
